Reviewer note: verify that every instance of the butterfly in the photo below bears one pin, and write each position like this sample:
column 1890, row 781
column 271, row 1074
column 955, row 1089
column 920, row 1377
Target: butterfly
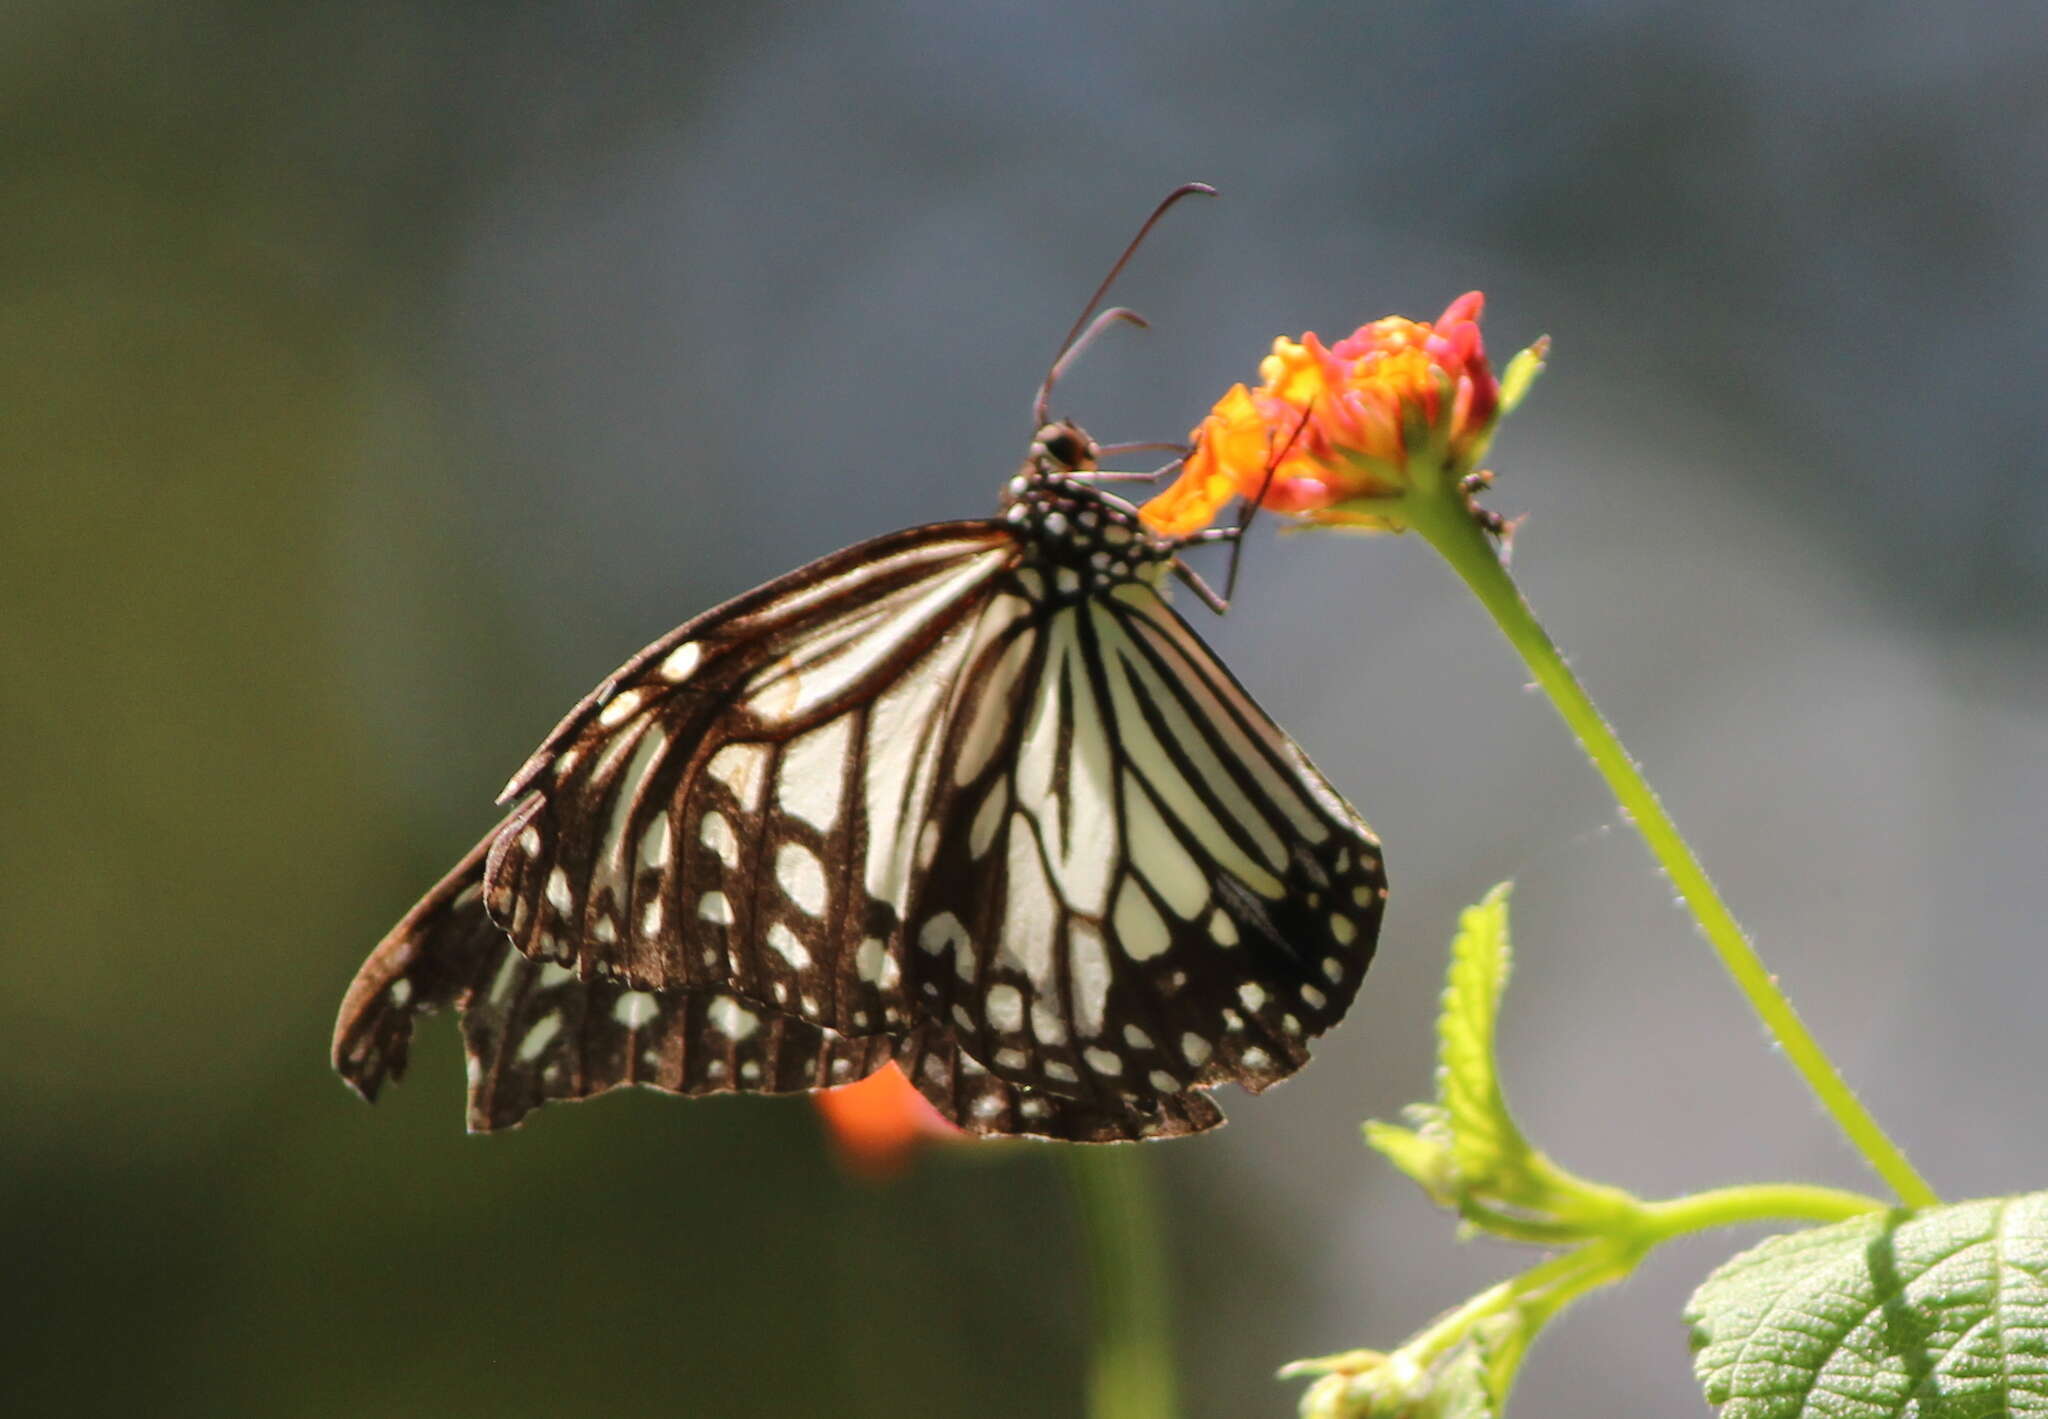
column 971, row 797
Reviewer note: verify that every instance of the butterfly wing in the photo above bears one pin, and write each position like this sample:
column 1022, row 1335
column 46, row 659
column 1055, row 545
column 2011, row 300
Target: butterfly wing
column 1042, row 847
column 738, row 807
column 533, row 1033
column 1141, row 883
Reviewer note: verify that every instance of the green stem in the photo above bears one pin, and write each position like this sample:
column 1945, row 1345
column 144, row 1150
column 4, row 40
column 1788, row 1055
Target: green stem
column 1449, row 528
column 1754, row 1202
column 1131, row 1369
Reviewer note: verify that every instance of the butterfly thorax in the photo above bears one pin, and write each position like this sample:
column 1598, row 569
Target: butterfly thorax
column 1084, row 538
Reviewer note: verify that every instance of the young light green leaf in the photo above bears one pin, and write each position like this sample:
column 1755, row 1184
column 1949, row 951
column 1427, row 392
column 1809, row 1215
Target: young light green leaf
column 1938, row 1314
column 1484, row 1139
column 1465, row 1149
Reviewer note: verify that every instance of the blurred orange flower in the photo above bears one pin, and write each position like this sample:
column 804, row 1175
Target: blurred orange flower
column 1344, row 432
column 878, row 1123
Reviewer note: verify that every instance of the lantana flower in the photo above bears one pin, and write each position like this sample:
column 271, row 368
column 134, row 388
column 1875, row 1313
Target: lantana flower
column 1345, row 434
column 878, row 1123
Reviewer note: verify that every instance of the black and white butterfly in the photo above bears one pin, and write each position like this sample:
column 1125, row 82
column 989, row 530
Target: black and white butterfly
column 970, row 797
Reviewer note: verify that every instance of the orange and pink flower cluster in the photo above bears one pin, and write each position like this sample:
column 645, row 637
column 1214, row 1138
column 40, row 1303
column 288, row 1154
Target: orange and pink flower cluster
column 1339, row 434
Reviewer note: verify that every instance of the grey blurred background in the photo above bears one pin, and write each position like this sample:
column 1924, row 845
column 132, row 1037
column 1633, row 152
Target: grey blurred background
column 378, row 376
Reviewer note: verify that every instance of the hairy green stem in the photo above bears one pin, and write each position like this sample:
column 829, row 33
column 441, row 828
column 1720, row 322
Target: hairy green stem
column 1131, row 1369
column 1449, row 528
column 1753, row 1202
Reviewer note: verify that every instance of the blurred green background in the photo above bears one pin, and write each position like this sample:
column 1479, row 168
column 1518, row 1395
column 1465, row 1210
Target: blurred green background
column 378, row 376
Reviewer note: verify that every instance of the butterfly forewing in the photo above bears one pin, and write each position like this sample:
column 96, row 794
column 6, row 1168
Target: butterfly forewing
column 740, row 808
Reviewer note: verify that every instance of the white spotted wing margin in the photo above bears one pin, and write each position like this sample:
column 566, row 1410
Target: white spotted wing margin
column 533, row 1032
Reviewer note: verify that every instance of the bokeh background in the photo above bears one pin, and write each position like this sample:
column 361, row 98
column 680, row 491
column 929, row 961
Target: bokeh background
column 376, row 376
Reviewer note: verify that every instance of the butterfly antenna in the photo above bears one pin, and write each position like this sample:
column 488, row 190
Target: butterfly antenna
column 1251, row 509
column 1076, row 344
column 1083, row 330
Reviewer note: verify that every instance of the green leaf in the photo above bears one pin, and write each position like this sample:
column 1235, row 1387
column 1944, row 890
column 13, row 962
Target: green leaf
column 1937, row 1314
column 1484, row 1139
column 1521, row 373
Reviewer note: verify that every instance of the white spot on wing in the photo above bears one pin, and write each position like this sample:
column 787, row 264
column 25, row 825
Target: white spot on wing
column 731, row 1019
column 1061, row 1070
column 802, row 877
column 620, row 708
column 740, row 767
column 943, row 933
column 1253, row 995
column 1088, row 960
column 1005, row 1005
column 1140, row 929
column 558, row 891
column 811, row 776
column 868, row 959
column 784, row 943
column 1103, row 1061
column 713, row 907
column 1222, row 930
column 1046, row 1025
column 635, row 1008
column 1030, row 916
column 679, row 664
column 1155, row 851
column 657, row 844
column 538, row 1037
column 988, row 817
column 717, row 834
column 1194, row 1049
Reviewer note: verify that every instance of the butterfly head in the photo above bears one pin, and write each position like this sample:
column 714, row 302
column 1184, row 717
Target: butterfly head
column 1060, row 448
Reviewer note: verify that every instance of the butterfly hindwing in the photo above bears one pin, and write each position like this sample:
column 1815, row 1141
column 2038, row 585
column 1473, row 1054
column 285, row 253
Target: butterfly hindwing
column 533, row 1032
column 1182, row 900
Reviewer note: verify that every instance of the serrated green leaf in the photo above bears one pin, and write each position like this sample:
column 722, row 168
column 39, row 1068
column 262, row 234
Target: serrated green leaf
column 1485, row 1141
column 1938, row 1314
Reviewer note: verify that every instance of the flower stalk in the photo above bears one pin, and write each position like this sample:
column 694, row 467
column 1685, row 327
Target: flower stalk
column 1449, row 527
